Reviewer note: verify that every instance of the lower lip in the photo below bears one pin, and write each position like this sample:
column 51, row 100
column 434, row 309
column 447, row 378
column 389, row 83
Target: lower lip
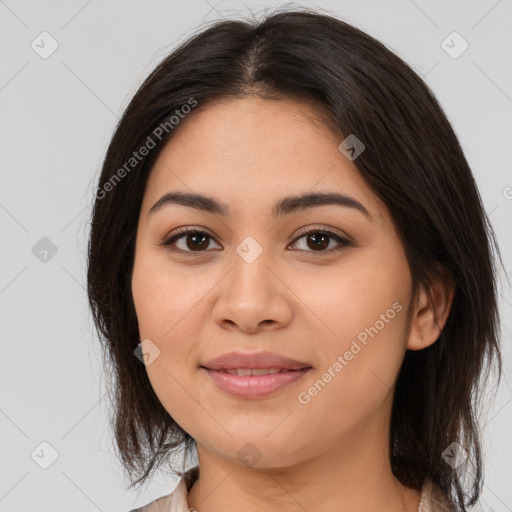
column 254, row 386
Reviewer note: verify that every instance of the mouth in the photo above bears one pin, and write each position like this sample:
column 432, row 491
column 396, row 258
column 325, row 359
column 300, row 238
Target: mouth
column 254, row 374
column 254, row 383
column 246, row 372
column 243, row 361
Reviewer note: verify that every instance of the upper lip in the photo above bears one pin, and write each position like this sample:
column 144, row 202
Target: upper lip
column 255, row 360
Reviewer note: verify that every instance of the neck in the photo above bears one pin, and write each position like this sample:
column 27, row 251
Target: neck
column 353, row 476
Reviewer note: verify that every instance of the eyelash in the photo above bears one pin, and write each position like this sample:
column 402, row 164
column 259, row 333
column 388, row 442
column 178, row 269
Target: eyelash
column 344, row 242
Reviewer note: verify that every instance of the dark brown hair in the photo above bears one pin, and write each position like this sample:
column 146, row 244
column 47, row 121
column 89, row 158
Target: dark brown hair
column 412, row 161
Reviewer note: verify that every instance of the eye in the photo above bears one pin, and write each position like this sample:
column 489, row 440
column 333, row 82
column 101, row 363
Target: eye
column 319, row 239
column 196, row 241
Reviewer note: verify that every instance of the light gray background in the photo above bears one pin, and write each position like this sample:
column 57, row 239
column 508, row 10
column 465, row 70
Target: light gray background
column 57, row 116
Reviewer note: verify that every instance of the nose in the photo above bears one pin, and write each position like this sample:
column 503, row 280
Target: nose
column 253, row 297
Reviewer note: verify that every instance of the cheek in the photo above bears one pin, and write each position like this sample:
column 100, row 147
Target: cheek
column 365, row 298
column 159, row 307
column 357, row 373
column 364, row 308
column 168, row 305
column 163, row 297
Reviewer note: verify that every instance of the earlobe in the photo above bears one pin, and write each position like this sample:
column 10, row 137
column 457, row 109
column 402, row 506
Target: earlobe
column 430, row 314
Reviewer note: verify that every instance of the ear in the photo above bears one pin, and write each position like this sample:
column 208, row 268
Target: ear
column 430, row 313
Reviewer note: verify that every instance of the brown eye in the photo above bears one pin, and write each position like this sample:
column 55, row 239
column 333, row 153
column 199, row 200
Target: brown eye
column 319, row 241
column 197, row 241
column 194, row 241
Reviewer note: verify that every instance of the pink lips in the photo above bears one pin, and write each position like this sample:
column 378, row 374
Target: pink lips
column 254, row 386
column 254, row 360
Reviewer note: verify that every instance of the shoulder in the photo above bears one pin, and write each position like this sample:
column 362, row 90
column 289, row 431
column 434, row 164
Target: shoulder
column 176, row 501
column 158, row 505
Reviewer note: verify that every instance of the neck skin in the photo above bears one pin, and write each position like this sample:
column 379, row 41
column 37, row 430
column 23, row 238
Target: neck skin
column 353, row 476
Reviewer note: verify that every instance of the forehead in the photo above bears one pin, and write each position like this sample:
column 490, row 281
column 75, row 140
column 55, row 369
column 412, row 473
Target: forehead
column 249, row 150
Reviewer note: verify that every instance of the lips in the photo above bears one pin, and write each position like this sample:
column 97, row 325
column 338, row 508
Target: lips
column 245, row 362
column 245, row 372
column 252, row 387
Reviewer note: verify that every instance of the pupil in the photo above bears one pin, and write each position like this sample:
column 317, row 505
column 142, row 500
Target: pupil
column 323, row 244
column 201, row 245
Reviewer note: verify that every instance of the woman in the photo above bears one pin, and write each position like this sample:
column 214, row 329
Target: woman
column 291, row 271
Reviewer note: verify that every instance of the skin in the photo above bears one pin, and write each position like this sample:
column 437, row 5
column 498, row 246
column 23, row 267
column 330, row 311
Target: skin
column 331, row 453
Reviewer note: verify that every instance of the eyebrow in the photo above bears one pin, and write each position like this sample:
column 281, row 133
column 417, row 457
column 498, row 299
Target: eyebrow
column 284, row 206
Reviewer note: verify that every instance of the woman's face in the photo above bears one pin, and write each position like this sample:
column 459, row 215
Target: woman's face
column 255, row 282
